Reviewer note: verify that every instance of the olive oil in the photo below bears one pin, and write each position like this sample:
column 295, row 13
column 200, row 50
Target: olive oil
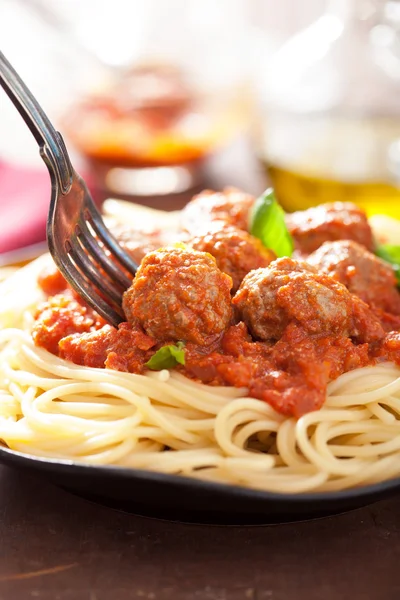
column 312, row 159
column 297, row 191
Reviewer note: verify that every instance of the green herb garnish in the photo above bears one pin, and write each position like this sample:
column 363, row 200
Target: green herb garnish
column 267, row 223
column 391, row 254
column 167, row 357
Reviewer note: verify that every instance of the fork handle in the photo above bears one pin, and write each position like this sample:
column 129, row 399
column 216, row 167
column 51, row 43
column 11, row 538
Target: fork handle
column 51, row 144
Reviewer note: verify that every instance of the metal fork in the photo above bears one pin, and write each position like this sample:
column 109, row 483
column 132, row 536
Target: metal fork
column 84, row 250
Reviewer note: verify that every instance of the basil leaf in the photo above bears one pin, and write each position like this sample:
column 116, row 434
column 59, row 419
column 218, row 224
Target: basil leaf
column 267, row 222
column 391, row 254
column 167, row 357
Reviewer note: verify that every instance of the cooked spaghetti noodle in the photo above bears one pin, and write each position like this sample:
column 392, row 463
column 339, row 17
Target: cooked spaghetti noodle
column 165, row 422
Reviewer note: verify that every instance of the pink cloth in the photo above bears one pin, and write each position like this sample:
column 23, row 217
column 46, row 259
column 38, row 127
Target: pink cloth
column 24, row 202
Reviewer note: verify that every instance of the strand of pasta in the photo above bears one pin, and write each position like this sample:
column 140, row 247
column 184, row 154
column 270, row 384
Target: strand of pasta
column 163, row 421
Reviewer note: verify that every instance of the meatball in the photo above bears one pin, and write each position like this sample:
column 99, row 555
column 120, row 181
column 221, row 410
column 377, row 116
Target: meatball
column 288, row 290
column 206, row 210
column 236, row 252
column 328, row 222
column 179, row 294
column 364, row 274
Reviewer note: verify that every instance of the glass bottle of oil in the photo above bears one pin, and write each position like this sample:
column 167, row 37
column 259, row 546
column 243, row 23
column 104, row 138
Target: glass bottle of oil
column 331, row 110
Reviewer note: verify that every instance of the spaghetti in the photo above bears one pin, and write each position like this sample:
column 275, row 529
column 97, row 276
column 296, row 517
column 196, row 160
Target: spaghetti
column 165, row 422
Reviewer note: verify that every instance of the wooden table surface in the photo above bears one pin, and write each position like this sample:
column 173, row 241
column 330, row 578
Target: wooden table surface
column 55, row 546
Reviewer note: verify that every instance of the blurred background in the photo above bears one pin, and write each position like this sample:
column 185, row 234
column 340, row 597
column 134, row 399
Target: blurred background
column 159, row 99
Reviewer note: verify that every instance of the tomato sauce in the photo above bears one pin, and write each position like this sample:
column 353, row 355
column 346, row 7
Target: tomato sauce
column 292, row 326
column 291, row 374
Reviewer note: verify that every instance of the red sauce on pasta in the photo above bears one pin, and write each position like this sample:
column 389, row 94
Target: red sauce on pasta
column 292, row 326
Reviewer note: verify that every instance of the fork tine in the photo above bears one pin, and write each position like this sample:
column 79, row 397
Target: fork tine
column 108, row 239
column 86, row 266
column 94, row 300
column 88, row 241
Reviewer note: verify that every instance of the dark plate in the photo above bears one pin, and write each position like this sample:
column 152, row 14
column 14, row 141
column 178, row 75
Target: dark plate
column 183, row 499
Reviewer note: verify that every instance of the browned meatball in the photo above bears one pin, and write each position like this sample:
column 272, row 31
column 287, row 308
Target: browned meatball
column 288, row 290
column 236, row 252
column 179, row 294
column 328, row 222
column 370, row 278
column 229, row 207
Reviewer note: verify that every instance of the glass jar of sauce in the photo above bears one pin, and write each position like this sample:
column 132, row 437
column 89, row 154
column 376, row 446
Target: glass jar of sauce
column 150, row 130
column 176, row 92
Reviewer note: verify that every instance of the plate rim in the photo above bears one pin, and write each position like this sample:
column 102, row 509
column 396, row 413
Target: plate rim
column 22, row 459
